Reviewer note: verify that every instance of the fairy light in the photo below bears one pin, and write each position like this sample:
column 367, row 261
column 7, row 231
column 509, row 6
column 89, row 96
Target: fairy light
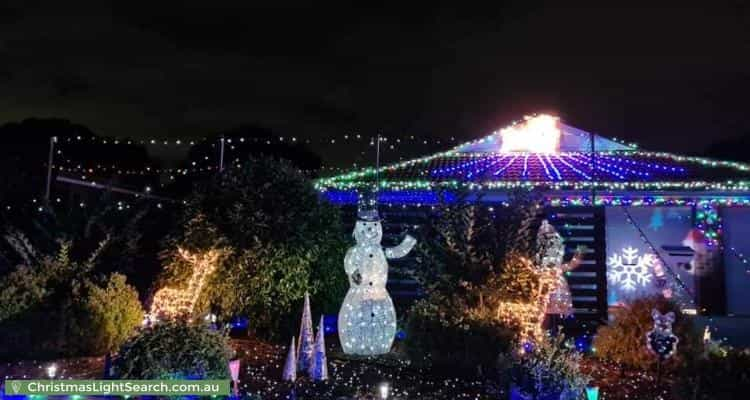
column 529, row 315
column 172, row 303
column 540, row 136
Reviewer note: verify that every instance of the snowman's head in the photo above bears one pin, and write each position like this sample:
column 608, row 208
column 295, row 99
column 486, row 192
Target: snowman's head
column 368, row 232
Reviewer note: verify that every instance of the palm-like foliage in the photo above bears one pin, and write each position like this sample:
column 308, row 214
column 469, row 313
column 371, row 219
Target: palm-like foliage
column 42, row 275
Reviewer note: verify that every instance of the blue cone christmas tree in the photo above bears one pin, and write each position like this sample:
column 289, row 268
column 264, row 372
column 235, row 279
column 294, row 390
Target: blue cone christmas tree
column 290, row 367
column 305, row 343
column 319, row 369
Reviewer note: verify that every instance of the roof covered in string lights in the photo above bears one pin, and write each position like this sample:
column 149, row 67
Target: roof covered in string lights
column 543, row 152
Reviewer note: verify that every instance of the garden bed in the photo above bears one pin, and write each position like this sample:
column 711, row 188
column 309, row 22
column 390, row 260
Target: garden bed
column 354, row 376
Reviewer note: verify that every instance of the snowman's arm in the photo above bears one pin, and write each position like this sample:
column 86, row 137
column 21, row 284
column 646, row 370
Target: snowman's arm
column 350, row 262
column 402, row 249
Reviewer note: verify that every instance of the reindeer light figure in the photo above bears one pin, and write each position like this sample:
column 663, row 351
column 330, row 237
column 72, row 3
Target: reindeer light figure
column 528, row 313
column 172, row 303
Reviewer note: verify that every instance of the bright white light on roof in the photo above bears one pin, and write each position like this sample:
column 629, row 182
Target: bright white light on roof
column 538, row 134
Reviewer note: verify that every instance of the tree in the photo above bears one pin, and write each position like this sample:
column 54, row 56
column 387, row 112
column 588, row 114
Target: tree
column 471, row 261
column 467, row 242
column 284, row 240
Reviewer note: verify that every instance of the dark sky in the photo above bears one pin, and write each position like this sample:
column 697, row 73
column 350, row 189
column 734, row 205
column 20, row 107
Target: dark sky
column 670, row 78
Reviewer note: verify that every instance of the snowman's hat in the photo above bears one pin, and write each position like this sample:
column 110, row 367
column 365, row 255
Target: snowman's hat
column 367, row 206
column 368, row 215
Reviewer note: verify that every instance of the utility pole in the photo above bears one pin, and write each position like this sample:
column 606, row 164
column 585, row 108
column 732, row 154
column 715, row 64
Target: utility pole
column 52, row 141
column 377, row 166
column 221, row 154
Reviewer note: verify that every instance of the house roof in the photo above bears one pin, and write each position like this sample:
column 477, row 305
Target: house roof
column 543, row 152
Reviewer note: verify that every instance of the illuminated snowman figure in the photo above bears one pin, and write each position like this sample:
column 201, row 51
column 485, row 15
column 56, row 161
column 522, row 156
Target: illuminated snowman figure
column 367, row 320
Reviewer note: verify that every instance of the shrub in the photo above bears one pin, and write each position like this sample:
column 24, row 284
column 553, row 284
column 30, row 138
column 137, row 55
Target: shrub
column 624, row 339
column 39, row 278
column 110, row 315
column 263, row 284
column 80, row 318
column 175, row 350
column 719, row 375
column 51, row 307
column 440, row 335
column 551, row 367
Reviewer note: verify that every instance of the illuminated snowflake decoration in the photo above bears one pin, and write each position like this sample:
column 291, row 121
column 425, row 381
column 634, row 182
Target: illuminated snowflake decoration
column 630, row 270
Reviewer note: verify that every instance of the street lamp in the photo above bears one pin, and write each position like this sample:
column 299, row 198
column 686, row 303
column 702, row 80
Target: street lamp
column 384, row 389
column 52, row 371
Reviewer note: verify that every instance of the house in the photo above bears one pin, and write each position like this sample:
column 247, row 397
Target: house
column 652, row 222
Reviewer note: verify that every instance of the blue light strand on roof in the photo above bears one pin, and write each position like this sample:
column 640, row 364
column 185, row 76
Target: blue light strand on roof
column 621, row 169
column 645, row 164
column 451, row 169
column 598, row 166
column 500, row 171
column 525, row 173
column 486, row 167
column 573, row 168
column 401, row 197
column 554, row 168
column 544, row 165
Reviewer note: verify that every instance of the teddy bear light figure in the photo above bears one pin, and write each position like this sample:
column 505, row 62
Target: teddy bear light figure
column 367, row 320
column 660, row 340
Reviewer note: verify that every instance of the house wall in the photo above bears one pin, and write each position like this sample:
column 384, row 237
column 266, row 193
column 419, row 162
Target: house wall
column 736, row 221
column 665, row 228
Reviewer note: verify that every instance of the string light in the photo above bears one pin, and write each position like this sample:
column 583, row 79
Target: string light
column 465, row 167
column 322, row 139
column 173, row 303
column 529, row 314
column 686, row 298
column 742, row 258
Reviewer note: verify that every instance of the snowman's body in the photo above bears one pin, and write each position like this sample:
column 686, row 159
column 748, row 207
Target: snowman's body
column 367, row 320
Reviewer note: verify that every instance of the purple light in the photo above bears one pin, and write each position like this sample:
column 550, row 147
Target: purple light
column 485, row 166
column 525, row 166
column 552, row 165
column 598, row 166
column 464, row 165
column 500, row 171
column 573, row 168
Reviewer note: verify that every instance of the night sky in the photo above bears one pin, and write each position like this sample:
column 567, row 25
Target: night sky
column 672, row 79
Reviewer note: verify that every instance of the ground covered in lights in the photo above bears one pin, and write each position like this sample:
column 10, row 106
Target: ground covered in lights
column 359, row 378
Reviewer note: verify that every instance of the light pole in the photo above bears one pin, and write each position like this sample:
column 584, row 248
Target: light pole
column 383, row 390
column 52, row 141
column 221, row 154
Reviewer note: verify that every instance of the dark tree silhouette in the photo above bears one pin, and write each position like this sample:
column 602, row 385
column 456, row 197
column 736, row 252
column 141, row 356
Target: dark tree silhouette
column 258, row 141
column 24, row 150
